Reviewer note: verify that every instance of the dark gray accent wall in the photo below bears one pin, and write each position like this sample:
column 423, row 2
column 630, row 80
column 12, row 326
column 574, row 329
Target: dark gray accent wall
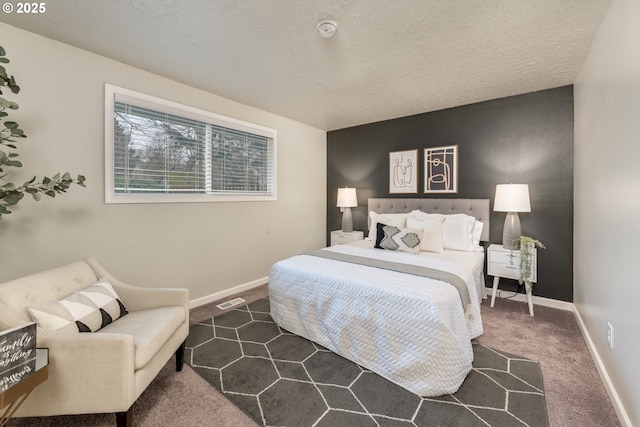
column 524, row 139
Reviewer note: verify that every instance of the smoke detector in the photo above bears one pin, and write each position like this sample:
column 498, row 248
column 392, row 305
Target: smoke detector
column 327, row 28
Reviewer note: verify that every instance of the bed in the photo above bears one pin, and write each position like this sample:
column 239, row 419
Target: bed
column 378, row 309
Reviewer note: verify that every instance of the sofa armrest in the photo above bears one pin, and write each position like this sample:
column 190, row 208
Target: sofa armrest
column 89, row 369
column 139, row 298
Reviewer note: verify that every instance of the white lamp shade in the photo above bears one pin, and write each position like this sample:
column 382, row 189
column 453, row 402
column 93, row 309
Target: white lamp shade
column 512, row 198
column 347, row 198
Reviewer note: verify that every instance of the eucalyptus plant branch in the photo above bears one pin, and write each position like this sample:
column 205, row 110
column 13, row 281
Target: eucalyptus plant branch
column 10, row 193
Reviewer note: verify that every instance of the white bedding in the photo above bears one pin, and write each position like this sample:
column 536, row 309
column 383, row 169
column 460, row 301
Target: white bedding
column 406, row 328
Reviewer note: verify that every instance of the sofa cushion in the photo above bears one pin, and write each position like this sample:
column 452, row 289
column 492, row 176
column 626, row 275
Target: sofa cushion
column 150, row 328
column 87, row 310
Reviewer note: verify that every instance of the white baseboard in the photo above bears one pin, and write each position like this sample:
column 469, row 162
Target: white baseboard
column 547, row 302
column 625, row 421
column 222, row 294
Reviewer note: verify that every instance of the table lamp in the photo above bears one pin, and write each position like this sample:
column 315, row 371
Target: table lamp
column 347, row 199
column 511, row 198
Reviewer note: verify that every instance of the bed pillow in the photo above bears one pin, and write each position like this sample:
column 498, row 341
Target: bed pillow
column 87, row 310
column 432, row 232
column 476, row 233
column 397, row 220
column 400, row 239
column 460, row 232
column 457, row 232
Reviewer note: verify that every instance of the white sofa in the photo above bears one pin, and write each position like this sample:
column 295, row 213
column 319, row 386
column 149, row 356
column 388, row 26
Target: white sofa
column 103, row 371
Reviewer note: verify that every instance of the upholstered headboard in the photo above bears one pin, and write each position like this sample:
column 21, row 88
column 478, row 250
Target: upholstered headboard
column 478, row 208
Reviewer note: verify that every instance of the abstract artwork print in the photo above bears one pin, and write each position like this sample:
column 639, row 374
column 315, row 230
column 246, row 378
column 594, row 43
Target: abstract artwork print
column 403, row 172
column 441, row 169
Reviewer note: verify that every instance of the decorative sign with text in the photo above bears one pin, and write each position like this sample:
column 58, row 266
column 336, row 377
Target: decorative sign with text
column 17, row 354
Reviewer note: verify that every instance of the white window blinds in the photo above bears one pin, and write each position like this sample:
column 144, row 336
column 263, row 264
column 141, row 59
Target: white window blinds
column 162, row 149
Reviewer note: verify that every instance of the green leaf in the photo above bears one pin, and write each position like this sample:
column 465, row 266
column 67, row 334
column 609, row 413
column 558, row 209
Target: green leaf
column 13, row 199
column 11, row 125
column 36, row 196
column 2, row 51
column 4, row 60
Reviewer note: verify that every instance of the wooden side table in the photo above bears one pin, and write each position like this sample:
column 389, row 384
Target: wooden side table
column 339, row 237
column 503, row 262
column 13, row 397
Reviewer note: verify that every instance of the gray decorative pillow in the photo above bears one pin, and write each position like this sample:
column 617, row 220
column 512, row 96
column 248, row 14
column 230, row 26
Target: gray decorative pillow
column 87, row 310
column 401, row 239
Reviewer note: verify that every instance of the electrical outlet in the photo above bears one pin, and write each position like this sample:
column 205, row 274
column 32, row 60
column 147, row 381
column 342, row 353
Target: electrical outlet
column 610, row 335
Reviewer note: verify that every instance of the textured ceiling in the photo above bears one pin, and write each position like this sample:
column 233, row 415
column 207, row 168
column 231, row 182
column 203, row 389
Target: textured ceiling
column 387, row 59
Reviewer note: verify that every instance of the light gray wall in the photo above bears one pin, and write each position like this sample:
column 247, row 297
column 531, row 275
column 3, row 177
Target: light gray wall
column 607, row 198
column 207, row 247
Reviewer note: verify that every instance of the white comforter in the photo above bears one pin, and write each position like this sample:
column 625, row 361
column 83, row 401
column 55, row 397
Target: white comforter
column 407, row 328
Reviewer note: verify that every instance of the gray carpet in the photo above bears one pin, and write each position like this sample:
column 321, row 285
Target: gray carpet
column 281, row 379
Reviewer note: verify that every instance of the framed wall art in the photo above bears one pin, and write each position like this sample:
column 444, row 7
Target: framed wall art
column 441, row 169
column 403, row 172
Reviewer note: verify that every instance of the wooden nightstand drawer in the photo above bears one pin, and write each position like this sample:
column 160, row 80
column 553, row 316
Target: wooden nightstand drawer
column 504, row 257
column 339, row 237
column 506, row 263
column 504, row 270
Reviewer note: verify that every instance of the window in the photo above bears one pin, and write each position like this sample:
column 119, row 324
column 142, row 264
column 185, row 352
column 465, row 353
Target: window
column 161, row 151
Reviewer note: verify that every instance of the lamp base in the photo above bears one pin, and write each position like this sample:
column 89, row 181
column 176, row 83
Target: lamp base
column 347, row 220
column 511, row 230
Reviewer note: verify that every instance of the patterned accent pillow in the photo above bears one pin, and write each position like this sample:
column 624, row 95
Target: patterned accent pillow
column 87, row 310
column 401, row 239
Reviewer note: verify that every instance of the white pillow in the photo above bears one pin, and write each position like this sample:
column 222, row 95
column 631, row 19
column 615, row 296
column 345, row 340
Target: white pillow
column 432, row 232
column 418, row 214
column 401, row 239
column 460, row 232
column 397, row 220
column 457, row 232
column 476, row 233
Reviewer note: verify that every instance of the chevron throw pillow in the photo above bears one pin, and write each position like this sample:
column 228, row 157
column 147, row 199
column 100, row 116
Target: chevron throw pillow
column 87, row 310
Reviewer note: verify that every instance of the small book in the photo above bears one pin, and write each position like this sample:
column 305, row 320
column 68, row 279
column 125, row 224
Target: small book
column 17, row 354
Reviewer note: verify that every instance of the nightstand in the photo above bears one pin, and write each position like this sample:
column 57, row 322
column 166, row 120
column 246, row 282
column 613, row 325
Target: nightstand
column 503, row 262
column 340, row 237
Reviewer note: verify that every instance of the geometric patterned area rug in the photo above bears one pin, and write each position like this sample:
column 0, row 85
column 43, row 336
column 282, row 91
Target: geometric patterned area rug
column 281, row 379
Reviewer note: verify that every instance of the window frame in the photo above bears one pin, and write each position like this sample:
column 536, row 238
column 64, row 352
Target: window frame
column 158, row 104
